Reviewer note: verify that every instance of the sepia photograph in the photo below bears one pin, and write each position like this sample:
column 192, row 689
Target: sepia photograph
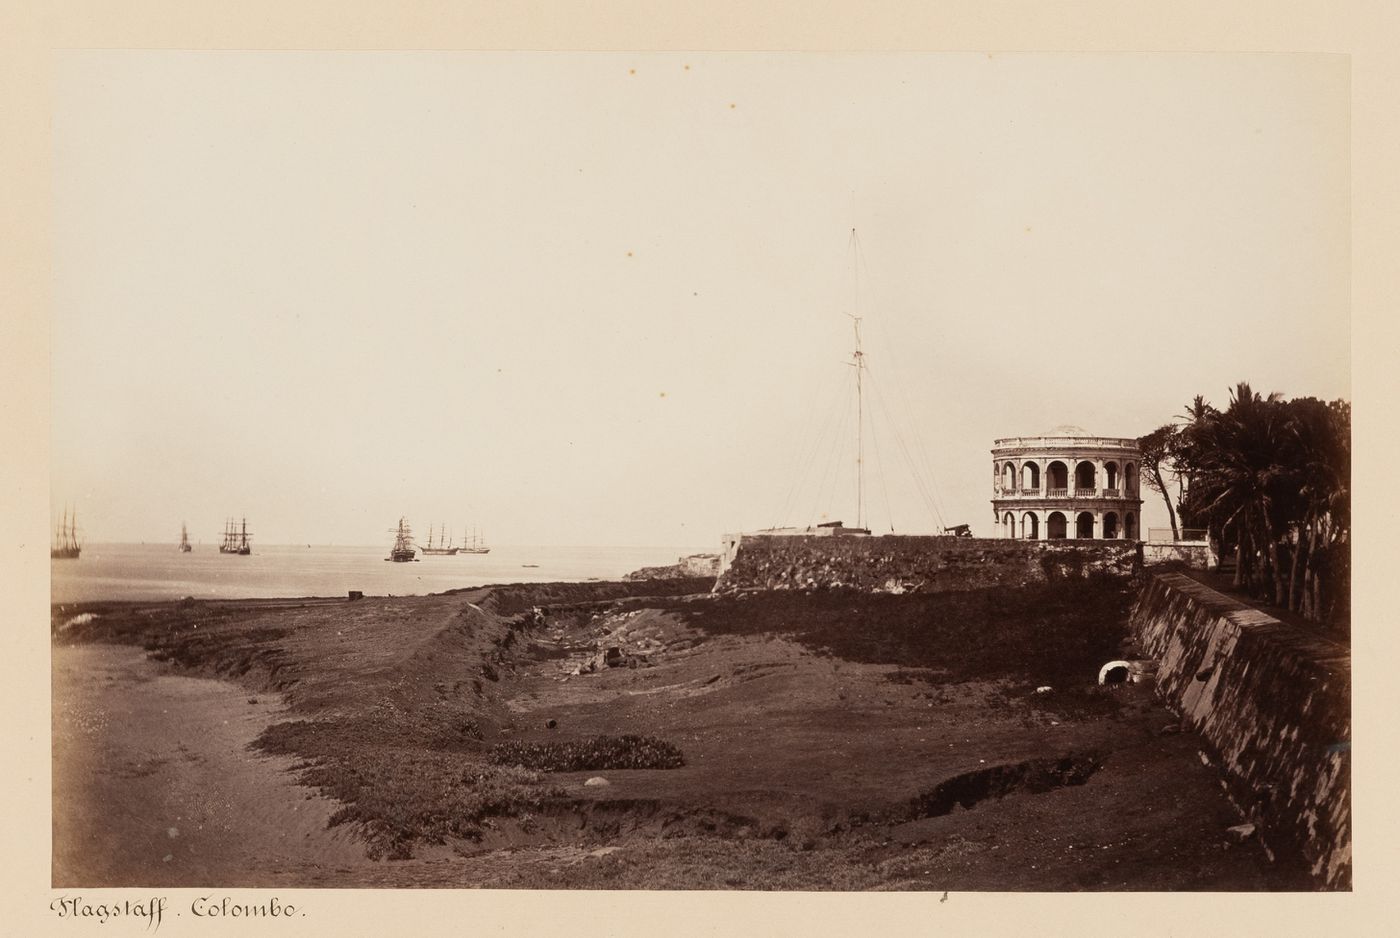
column 768, row 471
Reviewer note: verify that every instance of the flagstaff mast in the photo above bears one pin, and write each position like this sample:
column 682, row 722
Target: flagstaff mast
column 858, row 362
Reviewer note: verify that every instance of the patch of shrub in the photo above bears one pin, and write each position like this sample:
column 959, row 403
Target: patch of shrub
column 589, row 755
column 400, row 795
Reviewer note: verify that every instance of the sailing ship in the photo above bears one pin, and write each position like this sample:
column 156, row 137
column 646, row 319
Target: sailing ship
column 235, row 539
column 65, row 542
column 475, row 546
column 402, row 551
column 440, row 547
column 185, row 546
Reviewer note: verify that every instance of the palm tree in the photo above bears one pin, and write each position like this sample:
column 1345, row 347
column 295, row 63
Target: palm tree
column 1237, row 471
column 1198, row 413
column 1320, row 437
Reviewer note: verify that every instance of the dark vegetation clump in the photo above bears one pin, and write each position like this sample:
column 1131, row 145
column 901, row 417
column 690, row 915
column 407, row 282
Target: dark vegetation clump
column 591, row 755
column 401, row 794
column 1055, row 633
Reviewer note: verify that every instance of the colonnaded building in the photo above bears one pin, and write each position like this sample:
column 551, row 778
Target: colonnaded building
column 1066, row 484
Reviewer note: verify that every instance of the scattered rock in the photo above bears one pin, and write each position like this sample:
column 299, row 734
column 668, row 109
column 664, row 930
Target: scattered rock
column 1044, row 689
column 597, row 781
column 550, row 724
column 1240, row 832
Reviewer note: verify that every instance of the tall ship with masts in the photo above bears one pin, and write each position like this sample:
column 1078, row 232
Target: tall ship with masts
column 475, row 546
column 442, row 547
column 185, row 546
column 402, row 551
column 236, row 539
column 66, row 545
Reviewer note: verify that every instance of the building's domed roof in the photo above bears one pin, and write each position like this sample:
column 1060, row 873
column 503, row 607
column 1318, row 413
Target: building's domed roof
column 1067, row 429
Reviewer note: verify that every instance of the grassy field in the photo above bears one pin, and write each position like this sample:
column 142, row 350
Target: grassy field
column 651, row 735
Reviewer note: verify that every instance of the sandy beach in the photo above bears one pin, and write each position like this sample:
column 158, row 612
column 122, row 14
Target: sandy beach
column 155, row 784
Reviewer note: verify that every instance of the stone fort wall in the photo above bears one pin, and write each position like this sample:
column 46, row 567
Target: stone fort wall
column 1274, row 701
column 906, row 563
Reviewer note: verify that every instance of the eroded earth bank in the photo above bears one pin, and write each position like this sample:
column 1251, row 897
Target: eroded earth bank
column 629, row 735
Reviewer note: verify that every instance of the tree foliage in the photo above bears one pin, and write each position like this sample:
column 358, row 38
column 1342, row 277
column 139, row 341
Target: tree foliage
column 1271, row 479
column 1157, row 450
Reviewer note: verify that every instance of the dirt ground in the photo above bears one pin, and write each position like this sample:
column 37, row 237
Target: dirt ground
column 829, row 741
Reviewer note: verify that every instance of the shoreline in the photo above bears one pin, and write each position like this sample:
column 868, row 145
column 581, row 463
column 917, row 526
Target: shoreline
column 155, row 782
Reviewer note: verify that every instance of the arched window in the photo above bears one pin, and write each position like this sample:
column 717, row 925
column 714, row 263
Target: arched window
column 1030, row 477
column 1030, row 526
column 1008, row 525
column 1056, row 478
column 1110, row 524
column 1084, row 477
column 1110, row 470
column 1008, row 478
column 1084, row 525
column 1055, row 526
column 1129, row 526
column 1130, row 480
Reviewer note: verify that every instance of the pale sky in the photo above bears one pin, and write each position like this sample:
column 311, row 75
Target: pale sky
column 601, row 299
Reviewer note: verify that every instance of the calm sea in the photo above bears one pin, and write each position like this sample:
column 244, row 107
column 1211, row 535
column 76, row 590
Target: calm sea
column 160, row 571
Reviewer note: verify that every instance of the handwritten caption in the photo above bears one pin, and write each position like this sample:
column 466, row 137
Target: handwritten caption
column 154, row 909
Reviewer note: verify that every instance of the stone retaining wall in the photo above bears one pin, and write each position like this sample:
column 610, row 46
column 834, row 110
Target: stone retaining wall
column 1274, row 701
column 1195, row 554
column 903, row 563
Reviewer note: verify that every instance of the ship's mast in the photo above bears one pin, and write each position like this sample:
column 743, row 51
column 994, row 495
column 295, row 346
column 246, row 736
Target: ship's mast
column 858, row 362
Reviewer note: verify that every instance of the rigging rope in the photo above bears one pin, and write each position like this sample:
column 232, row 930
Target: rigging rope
column 923, row 472
column 836, row 459
column 829, row 475
column 880, row 467
column 810, row 447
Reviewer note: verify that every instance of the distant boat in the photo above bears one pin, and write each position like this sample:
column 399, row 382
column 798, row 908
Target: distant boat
column 185, row 545
column 65, row 541
column 440, row 547
column 475, row 546
column 236, row 540
column 402, row 551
